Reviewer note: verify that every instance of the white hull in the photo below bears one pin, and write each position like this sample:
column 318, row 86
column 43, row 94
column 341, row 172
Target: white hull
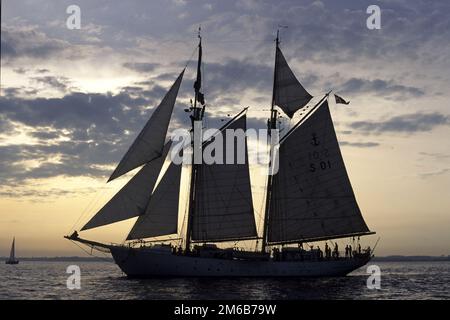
column 152, row 262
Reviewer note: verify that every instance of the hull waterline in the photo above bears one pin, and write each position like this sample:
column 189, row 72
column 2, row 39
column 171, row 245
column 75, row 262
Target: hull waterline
column 150, row 262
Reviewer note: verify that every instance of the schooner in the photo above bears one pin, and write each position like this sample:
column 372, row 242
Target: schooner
column 309, row 199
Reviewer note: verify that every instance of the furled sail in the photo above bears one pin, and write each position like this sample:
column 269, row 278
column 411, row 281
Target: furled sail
column 150, row 141
column 311, row 197
column 133, row 198
column 288, row 93
column 161, row 215
column 223, row 200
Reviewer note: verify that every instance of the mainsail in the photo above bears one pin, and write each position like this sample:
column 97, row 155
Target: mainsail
column 150, row 141
column 312, row 198
column 223, row 199
column 161, row 215
column 288, row 93
column 133, row 198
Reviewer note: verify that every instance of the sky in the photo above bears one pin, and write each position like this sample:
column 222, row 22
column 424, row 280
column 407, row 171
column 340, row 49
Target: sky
column 72, row 101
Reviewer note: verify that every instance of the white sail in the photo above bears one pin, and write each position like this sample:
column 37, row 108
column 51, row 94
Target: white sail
column 223, row 199
column 150, row 141
column 161, row 215
column 288, row 93
column 133, row 198
column 311, row 196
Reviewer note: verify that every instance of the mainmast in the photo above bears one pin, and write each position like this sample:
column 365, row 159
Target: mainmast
column 271, row 125
column 197, row 115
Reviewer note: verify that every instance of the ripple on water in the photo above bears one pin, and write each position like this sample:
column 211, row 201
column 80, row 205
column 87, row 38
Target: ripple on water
column 104, row 280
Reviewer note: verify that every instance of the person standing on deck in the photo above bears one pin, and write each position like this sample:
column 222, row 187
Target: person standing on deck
column 336, row 251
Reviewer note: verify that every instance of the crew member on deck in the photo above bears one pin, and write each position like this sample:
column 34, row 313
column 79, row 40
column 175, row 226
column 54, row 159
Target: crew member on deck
column 336, row 251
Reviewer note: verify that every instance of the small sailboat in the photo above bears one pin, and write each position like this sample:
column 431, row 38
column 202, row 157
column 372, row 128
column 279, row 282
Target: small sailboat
column 310, row 198
column 12, row 255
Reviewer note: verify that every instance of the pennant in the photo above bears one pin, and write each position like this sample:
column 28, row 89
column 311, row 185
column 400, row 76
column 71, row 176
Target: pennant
column 340, row 100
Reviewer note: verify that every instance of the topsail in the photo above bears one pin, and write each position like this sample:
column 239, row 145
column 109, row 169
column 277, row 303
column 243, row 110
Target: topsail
column 288, row 93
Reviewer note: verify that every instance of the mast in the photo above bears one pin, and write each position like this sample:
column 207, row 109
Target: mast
column 271, row 124
column 197, row 115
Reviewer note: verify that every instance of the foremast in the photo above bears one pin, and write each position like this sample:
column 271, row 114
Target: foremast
column 272, row 127
column 197, row 113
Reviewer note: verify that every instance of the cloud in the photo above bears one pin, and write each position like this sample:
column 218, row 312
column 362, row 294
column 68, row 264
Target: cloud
column 379, row 87
column 359, row 144
column 78, row 134
column 141, row 66
column 42, row 71
column 233, row 77
column 436, row 155
column 409, row 123
column 29, row 42
column 43, row 193
column 58, row 83
column 435, row 173
column 20, row 70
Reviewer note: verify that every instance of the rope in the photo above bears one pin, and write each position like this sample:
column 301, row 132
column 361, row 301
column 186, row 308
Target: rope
column 190, row 58
column 89, row 206
column 90, row 253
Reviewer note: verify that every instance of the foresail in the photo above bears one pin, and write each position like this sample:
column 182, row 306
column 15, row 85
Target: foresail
column 312, row 197
column 288, row 93
column 133, row 198
column 223, row 199
column 161, row 215
column 150, row 141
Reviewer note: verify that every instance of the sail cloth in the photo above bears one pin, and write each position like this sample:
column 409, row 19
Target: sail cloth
column 223, row 208
column 133, row 198
column 150, row 141
column 288, row 93
column 12, row 254
column 161, row 215
column 312, row 197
